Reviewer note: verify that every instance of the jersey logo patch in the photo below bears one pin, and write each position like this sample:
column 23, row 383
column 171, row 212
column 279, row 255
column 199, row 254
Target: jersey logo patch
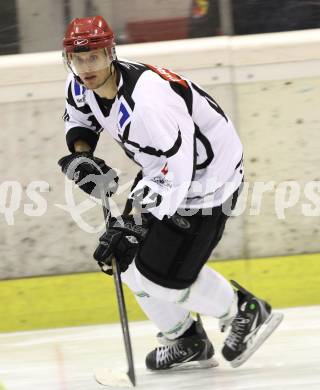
column 169, row 75
column 79, row 91
column 165, row 169
column 124, row 116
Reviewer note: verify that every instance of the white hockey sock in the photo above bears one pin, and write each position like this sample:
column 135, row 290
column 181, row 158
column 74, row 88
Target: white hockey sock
column 171, row 319
column 211, row 294
column 226, row 320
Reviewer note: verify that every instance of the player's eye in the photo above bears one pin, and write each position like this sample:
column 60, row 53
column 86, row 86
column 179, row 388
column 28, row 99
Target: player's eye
column 78, row 60
column 93, row 58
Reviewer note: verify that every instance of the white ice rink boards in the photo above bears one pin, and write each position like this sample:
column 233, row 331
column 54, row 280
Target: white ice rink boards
column 65, row 359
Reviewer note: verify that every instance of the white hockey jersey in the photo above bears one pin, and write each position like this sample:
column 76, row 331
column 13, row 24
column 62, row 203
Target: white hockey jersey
column 188, row 149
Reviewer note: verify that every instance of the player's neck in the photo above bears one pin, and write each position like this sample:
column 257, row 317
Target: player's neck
column 109, row 89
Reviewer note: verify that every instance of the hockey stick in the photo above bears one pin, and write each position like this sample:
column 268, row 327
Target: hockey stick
column 105, row 376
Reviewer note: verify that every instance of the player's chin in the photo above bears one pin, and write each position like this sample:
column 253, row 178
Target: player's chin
column 89, row 86
column 90, row 82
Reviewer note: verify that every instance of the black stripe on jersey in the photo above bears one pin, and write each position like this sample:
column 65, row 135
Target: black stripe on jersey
column 130, row 72
column 129, row 153
column 200, row 196
column 239, row 163
column 66, row 116
column 210, row 100
column 95, row 124
column 84, row 109
column 208, row 148
column 179, row 86
column 149, row 149
column 195, row 155
column 185, row 93
column 83, row 133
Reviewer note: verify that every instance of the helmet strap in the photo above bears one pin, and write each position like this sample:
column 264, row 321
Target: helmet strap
column 75, row 75
column 108, row 77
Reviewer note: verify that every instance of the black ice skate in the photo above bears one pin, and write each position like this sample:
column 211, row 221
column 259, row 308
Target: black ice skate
column 252, row 325
column 183, row 350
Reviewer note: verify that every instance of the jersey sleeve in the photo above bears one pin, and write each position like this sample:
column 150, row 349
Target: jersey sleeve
column 80, row 123
column 168, row 148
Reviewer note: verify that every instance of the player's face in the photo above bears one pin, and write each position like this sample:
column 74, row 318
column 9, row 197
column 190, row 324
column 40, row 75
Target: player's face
column 92, row 67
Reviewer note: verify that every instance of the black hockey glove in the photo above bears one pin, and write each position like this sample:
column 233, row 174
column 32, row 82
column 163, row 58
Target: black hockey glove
column 122, row 240
column 89, row 173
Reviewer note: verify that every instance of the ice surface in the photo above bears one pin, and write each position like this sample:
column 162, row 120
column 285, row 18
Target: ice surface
column 65, row 359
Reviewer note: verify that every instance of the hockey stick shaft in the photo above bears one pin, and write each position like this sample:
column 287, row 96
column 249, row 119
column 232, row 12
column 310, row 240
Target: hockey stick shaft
column 124, row 321
column 120, row 297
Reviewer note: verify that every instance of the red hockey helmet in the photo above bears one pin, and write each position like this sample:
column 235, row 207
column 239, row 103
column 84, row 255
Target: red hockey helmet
column 85, row 34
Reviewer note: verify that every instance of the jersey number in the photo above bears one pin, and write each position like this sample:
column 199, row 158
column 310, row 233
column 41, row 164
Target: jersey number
column 145, row 199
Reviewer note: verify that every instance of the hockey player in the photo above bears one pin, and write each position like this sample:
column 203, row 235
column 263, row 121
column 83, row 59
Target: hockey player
column 191, row 169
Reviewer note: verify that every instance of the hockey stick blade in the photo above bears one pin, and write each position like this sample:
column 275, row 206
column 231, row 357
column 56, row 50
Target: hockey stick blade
column 112, row 378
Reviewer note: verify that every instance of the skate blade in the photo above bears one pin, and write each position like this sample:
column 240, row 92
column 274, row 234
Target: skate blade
column 270, row 325
column 208, row 363
column 194, row 365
